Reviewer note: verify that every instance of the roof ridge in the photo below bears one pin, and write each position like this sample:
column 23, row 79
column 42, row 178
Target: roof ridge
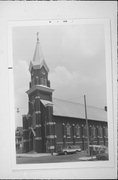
column 78, row 103
column 68, row 101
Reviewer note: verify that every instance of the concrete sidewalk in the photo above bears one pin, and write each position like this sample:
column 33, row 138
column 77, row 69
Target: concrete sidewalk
column 35, row 154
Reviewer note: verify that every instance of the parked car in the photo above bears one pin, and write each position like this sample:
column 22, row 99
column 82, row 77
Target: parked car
column 70, row 150
column 102, row 156
column 100, row 151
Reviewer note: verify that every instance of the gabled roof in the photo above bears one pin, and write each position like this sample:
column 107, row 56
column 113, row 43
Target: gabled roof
column 38, row 58
column 76, row 110
column 46, row 103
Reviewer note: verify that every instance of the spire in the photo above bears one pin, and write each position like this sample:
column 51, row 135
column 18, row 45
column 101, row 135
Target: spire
column 37, row 36
column 38, row 55
column 38, row 58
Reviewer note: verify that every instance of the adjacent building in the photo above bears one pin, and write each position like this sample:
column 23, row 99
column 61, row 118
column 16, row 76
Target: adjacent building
column 52, row 124
column 19, row 139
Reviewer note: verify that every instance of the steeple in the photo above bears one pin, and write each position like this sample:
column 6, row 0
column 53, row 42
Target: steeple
column 38, row 55
column 38, row 58
column 37, row 36
column 40, row 107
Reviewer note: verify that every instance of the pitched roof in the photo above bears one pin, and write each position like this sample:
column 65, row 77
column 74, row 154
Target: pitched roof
column 77, row 110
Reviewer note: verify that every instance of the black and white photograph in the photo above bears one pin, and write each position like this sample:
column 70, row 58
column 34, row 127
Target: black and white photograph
column 60, row 93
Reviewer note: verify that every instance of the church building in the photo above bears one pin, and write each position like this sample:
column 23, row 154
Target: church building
column 52, row 124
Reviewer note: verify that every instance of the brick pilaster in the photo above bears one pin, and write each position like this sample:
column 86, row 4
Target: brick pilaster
column 38, row 137
column 51, row 138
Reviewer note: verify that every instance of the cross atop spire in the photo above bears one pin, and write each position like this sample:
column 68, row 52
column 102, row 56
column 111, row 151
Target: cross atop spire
column 38, row 58
column 37, row 36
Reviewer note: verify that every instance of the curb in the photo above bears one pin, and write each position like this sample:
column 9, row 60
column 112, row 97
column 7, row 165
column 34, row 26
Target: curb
column 87, row 158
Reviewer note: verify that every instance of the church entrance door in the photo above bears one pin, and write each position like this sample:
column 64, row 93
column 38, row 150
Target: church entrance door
column 31, row 141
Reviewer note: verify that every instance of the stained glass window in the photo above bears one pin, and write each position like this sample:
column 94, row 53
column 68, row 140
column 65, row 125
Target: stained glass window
column 68, row 130
column 77, row 130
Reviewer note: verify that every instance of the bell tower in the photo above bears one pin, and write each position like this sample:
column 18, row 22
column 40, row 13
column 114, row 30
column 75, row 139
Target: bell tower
column 41, row 128
column 38, row 68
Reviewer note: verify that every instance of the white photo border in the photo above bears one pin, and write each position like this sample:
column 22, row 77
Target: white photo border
column 109, row 81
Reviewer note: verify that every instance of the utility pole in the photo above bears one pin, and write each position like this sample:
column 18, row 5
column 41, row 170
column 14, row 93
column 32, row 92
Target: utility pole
column 87, row 127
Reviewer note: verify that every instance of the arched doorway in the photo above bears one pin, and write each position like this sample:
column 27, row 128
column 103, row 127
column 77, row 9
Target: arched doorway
column 32, row 140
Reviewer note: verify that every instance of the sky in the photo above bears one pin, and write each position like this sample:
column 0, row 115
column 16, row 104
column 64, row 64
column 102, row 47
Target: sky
column 75, row 55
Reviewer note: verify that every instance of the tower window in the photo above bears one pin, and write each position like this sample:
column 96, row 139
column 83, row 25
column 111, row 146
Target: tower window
column 43, row 80
column 37, row 80
column 33, row 81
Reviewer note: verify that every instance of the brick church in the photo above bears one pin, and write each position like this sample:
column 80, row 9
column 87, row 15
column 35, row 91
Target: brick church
column 51, row 123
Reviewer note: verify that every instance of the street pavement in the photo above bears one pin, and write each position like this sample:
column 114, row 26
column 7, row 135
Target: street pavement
column 48, row 158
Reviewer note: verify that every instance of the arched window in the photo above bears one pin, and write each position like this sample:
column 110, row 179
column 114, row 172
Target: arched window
column 77, row 130
column 106, row 132
column 93, row 129
column 43, row 80
column 68, row 127
column 37, row 80
column 100, row 133
column 64, row 130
